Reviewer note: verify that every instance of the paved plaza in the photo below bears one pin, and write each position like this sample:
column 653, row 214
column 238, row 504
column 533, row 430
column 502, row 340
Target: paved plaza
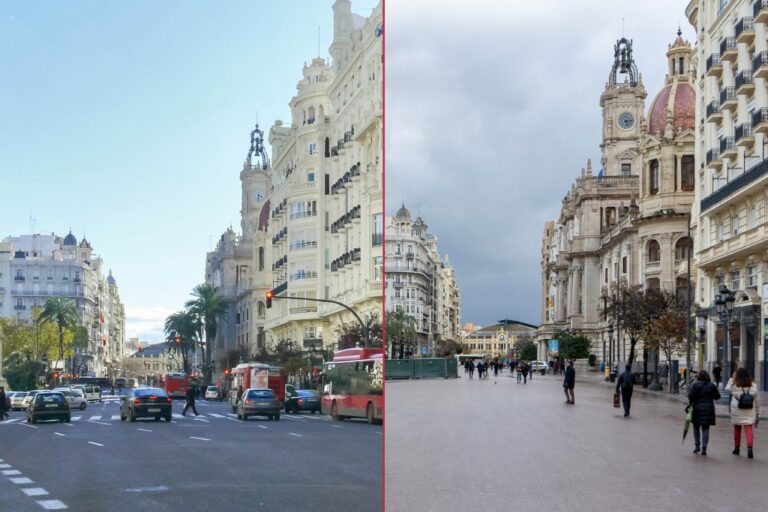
column 462, row 445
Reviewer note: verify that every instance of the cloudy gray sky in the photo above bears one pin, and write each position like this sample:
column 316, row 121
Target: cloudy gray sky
column 492, row 109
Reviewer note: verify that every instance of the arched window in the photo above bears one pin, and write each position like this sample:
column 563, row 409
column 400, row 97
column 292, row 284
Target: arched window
column 654, row 252
column 261, row 310
column 653, row 177
column 687, row 174
column 311, row 115
column 682, row 248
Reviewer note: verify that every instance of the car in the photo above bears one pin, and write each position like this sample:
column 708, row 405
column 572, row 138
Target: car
column 302, row 400
column 30, row 395
column 48, row 405
column 258, row 402
column 145, row 403
column 213, row 393
column 539, row 365
column 75, row 397
column 92, row 393
column 17, row 400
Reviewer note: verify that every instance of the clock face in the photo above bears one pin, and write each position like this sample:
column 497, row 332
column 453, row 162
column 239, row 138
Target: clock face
column 626, row 121
column 258, row 196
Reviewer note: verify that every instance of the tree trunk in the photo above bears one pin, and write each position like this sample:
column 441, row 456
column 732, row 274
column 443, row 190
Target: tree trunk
column 632, row 343
column 61, row 347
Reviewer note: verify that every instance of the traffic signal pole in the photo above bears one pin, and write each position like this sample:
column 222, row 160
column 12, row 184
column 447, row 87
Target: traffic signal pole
column 362, row 324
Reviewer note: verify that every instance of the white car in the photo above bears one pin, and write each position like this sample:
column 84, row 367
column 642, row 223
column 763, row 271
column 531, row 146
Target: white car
column 212, row 393
column 75, row 398
column 17, row 400
column 539, row 365
column 92, row 393
column 30, row 395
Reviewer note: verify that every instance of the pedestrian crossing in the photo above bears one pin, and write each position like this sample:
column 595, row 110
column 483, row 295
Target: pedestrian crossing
column 207, row 418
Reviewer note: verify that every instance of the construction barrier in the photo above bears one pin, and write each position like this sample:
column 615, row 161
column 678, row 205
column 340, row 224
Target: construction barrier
column 422, row 368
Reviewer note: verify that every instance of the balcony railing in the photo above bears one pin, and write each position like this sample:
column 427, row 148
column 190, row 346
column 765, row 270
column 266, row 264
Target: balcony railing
column 727, row 144
column 744, row 83
column 19, row 307
column 760, row 65
column 714, row 65
column 377, row 239
column 19, row 278
column 713, row 110
column 728, row 49
column 744, row 31
column 303, row 309
column 760, row 120
column 303, row 274
column 617, row 181
column 303, row 244
column 760, row 11
column 743, row 130
column 727, row 97
column 734, row 185
column 301, row 215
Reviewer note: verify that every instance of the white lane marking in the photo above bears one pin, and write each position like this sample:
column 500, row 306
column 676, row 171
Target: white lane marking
column 202, row 419
column 69, row 425
column 148, row 489
column 95, row 444
column 34, row 491
column 9, row 472
column 297, row 435
column 27, row 425
column 4, row 466
column 144, row 429
column 10, row 420
column 230, row 419
column 215, row 415
column 177, row 415
column 51, row 504
column 21, row 480
column 95, row 418
column 59, row 434
column 76, row 418
column 200, row 438
column 115, row 417
column 232, row 414
column 263, row 426
column 336, row 426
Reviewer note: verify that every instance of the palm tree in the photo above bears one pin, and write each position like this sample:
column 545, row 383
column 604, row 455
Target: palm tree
column 63, row 312
column 400, row 326
column 184, row 325
column 207, row 308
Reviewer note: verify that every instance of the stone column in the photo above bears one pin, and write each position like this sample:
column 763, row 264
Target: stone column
column 3, row 382
column 667, row 262
column 560, row 306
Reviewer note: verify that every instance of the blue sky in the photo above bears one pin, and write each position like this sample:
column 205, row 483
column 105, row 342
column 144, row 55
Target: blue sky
column 129, row 122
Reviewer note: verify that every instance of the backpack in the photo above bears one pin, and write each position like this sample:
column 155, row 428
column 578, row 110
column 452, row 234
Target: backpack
column 746, row 400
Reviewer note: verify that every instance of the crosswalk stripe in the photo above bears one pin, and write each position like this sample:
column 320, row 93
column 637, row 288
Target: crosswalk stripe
column 177, row 415
column 215, row 415
column 95, row 418
column 115, row 416
column 10, row 420
column 76, row 418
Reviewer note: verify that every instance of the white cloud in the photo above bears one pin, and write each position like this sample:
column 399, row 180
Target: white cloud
column 146, row 323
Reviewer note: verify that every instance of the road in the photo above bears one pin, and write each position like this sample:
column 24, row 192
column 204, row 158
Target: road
column 210, row 462
column 464, row 445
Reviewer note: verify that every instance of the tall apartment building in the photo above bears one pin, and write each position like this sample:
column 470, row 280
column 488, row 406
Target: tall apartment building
column 36, row 267
column 420, row 282
column 731, row 63
column 312, row 220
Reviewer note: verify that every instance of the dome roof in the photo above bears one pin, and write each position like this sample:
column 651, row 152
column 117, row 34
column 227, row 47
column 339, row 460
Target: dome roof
column 403, row 214
column 111, row 280
column 679, row 98
column 264, row 216
column 70, row 239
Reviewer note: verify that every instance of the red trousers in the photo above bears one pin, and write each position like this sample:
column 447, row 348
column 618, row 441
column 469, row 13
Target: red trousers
column 737, row 435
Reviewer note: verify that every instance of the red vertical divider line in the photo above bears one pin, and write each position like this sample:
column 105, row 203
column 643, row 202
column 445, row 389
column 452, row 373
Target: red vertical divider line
column 383, row 249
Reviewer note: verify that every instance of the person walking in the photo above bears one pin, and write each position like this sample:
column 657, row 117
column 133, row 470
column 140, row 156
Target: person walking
column 531, row 371
column 471, row 368
column 702, row 396
column 3, row 405
column 717, row 373
column 524, row 369
column 519, row 372
column 480, row 369
column 625, row 385
column 568, row 383
column 190, row 401
column 745, row 409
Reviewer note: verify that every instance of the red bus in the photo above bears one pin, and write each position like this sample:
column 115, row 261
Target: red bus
column 353, row 385
column 257, row 375
column 176, row 384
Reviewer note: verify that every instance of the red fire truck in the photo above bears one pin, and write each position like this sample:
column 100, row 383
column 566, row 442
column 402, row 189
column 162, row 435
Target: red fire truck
column 353, row 385
column 257, row 375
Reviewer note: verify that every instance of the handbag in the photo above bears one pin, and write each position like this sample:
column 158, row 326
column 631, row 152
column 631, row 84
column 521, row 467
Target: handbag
column 616, row 399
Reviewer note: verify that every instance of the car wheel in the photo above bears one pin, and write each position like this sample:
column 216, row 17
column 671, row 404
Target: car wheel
column 168, row 418
column 335, row 412
column 132, row 416
column 68, row 419
column 277, row 417
column 157, row 418
column 314, row 411
column 122, row 418
column 83, row 406
column 287, row 409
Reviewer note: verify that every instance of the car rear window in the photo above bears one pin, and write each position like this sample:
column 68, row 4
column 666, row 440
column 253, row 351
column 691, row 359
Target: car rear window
column 20, row 394
column 49, row 398
column 149, row 392
column 212, row 388
column 306, row 393
column 261, row 393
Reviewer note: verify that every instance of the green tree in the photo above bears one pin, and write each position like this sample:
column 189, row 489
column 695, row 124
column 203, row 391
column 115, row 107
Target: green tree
column 207, row 308
column 528, row 351
column 184, row 325
column 665, row 326
column 400, row 328
column 21, row 371
column 351, row 334
column 573, row 346
column 62, row 312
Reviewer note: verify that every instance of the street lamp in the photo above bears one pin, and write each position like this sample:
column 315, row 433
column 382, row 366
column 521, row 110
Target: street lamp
column 610, row 351
column 724, row 302
column 701, row 323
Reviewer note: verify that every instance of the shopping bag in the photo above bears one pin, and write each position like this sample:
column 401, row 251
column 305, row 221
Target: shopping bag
column 616, row 399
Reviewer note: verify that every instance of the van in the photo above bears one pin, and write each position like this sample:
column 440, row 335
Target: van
column 92, row 393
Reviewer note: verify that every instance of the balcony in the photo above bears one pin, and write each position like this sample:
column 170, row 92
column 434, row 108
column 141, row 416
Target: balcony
column 714, row 65
column 744, row 83
column 727, row 147
column 713, row 112
column 735, row 185
column 312, row 343
column 744, row 30
column 728, row 98
column 303, row 274
column 19, row 307
column 743, row 135
column 377, row 239
column 713, row 159
column 760, row 11
column 760, row 121
column 19, row 278
column 728, row 51
column 303, row 244
column 303, row 309
column 303, row 215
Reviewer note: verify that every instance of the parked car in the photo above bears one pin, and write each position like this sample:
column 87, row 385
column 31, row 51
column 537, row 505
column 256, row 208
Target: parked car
column 213, row 393
column 48, row 405
column 539, row 366
column 75, row 398
column 30, row 395
column 258, row 402
column 302, row 400
column 145, row 403
column 17, row 400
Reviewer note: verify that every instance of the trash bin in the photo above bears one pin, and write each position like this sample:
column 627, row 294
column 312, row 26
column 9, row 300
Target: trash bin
column 613, row 376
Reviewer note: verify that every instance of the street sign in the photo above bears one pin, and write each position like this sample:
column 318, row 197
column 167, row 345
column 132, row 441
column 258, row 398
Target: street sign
column 423, row 350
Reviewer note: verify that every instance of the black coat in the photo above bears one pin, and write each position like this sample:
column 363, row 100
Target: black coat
column 702, row 396
column 191, row 394
column 626, row 382
column 570, row 377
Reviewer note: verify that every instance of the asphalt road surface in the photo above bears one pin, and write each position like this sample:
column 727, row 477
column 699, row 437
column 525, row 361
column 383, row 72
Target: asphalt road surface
column 213, row 461
column 466, row 445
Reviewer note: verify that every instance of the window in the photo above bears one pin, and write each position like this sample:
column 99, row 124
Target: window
column 626, row 169
column 735, row 225
column 681, row 288
column 687, row 174
column 720, row 231
column 606, row 275
column 377, row 264
column 752, row 276
column 312, row 148
column 624, row 265
column 654, row 251
column 653, row 283
column 735, row 280
column 378, row 229
column 310, row 177
column 653, row 177
column 682, row 249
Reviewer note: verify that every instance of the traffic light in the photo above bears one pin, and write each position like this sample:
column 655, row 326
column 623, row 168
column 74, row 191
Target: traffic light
column 269, row 299
column 226, row 372
column 177, row 340
column 56, row 375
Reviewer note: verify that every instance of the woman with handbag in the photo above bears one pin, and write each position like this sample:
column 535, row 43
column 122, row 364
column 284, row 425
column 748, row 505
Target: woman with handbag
column 701, row 398
column 745, row 410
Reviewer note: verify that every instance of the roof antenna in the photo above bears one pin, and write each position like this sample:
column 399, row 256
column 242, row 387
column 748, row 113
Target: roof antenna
column 318, row 41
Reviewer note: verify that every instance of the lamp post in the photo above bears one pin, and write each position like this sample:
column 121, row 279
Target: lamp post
column 610, row 350
column 701, row 323
column 724, row 302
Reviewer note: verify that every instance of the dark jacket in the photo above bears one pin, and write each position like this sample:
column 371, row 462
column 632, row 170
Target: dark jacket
column 3, row 407
column 191, row 394
column 570, row 377
column 626, row 382
column 702, row 396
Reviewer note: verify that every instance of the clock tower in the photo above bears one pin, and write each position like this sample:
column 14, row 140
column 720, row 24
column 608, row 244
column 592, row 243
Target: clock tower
column 255, row 182
column 623, row 104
